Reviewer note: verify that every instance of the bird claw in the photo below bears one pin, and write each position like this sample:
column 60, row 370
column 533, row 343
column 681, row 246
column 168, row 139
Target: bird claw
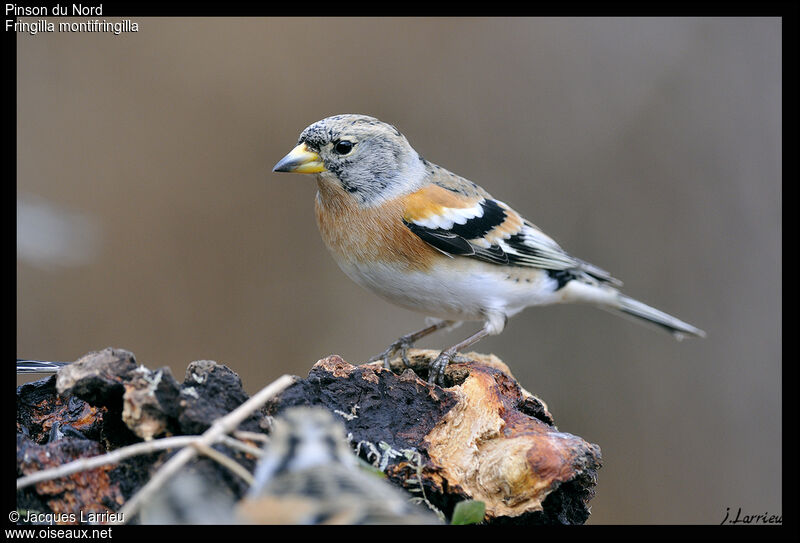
column 402, row 345
column 437, row 367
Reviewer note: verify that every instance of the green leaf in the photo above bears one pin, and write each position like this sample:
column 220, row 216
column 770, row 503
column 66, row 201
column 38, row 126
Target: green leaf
column 369, row 468
column 468, row 512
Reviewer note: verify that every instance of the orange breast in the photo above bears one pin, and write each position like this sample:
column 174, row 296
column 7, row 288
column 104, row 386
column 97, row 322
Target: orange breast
column 359, row 234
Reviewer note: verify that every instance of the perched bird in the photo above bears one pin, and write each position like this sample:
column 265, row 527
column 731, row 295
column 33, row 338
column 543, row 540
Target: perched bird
column 309, row 475
column 431, row 241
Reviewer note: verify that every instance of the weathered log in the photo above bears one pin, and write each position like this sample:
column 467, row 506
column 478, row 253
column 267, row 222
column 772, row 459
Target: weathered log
column 480, row 437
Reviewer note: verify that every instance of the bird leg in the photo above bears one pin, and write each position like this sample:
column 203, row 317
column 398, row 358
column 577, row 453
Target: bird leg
column 436, row 370
column 403, row 344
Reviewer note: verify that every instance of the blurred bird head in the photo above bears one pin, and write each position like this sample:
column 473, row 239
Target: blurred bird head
column 302, row 438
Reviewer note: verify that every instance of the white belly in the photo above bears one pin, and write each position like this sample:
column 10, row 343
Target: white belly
column 469, row 293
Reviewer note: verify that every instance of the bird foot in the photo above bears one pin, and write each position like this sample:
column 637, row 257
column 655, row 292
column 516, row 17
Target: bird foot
column 402, row 345
column 437, row 367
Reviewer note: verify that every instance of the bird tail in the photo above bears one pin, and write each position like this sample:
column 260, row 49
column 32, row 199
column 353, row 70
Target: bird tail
column 673, row 325
column 612, row 300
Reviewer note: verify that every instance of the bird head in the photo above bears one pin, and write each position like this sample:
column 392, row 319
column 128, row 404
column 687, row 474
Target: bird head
column 368, row 158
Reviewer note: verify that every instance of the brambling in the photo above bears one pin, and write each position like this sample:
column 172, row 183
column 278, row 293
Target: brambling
column 308, row 474
column 431, row 241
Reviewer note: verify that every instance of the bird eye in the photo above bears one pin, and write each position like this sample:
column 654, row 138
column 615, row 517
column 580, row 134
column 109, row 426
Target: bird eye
column 343, row 147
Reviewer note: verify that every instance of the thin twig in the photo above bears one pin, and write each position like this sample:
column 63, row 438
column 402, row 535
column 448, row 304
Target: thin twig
column 240, row 446
column 112, row 457
column 222, row 426
column 250, row 436
column 223, row 460
column 116, row 456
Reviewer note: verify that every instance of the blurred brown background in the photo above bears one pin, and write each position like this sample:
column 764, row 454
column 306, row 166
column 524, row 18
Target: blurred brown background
column 149, row 219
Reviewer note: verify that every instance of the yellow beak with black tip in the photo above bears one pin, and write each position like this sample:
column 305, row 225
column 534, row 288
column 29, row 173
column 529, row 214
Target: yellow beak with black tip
column 301, row 159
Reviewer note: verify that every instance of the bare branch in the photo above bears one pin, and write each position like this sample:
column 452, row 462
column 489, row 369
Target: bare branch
column 83, row 464
column 222, row 426
column 223, row 460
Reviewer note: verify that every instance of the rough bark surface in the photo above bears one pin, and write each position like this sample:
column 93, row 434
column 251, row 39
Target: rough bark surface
column 480, row 437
